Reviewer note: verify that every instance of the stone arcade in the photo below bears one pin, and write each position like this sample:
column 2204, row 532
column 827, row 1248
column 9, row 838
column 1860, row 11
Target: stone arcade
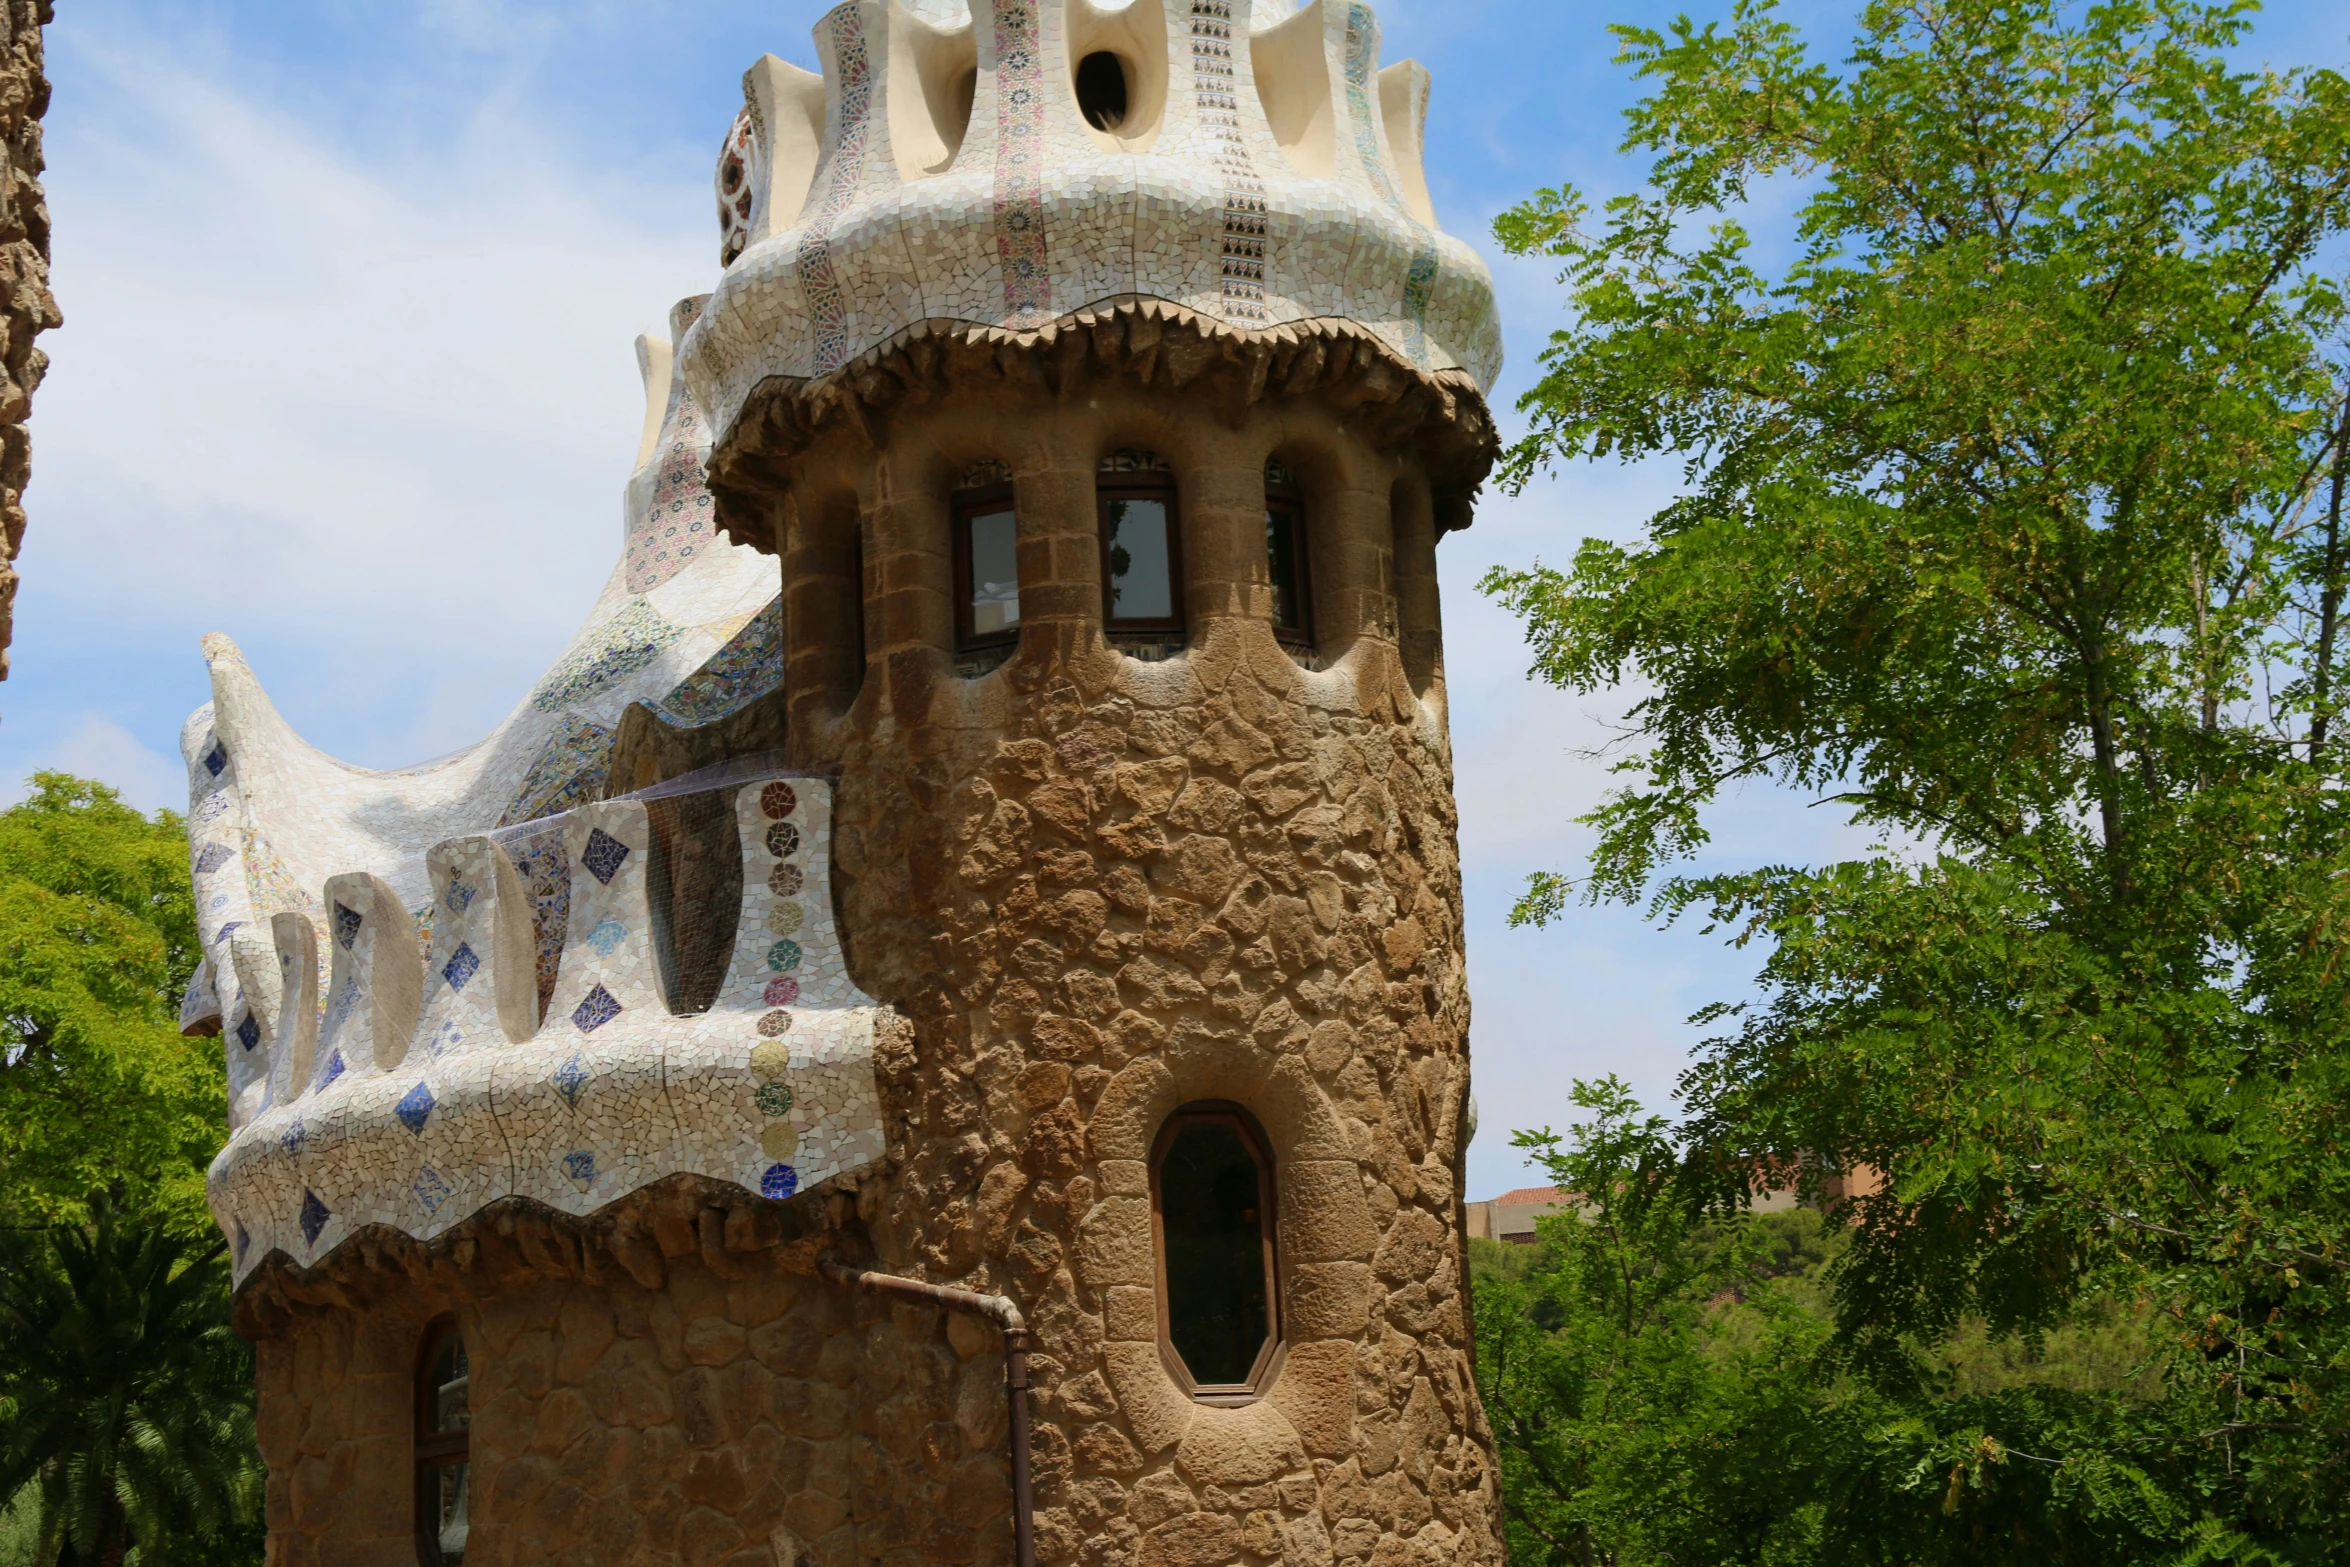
column 995, row 831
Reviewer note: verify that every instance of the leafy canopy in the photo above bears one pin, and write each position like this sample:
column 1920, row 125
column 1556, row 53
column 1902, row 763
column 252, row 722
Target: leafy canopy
column 2013, row 520
column 98, row 1091
column 1664, row 1388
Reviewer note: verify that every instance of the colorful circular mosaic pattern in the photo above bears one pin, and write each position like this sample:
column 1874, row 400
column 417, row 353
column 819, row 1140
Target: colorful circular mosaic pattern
column 774, row 1098
column 778, row 800
column 784, row 919
column 785, row 881
column 774, row 1025
column 783, row 957
column 771, row 1059
column 782, row 992
column 783, row 840
column 779, row 1141
column 780, row 1181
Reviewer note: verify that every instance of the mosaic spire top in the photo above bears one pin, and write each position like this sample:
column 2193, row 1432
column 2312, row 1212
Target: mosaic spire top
column 1010, row 164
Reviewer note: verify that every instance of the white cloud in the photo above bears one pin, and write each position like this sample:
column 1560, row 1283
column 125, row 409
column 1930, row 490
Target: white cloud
column 303, row 391
column 99, row 748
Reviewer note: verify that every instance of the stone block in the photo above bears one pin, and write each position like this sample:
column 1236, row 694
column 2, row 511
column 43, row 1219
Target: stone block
column 1252, row 1444
column 1324, row 1217
column 1157, row 1412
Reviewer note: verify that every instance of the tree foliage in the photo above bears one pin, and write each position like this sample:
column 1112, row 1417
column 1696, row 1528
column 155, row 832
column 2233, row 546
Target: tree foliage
column 125, row 1397
column 2014, row 522
column 98, row 1091
column 1666, row 1386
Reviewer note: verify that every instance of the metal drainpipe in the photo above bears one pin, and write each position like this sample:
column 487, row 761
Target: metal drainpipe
column 1005, row 1313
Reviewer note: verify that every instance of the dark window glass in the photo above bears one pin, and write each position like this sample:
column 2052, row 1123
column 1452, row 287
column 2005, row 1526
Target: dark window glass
column 1213, row 1191
column 995, row 572
column 1285, row 554
column 443, row 1420
column 1141, row 553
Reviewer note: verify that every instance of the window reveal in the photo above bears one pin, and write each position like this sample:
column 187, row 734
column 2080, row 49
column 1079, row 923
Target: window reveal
column 987, row 558
column 1212, row 1183
column 443, row 1444
column 1286, row 555
column 1142, row 558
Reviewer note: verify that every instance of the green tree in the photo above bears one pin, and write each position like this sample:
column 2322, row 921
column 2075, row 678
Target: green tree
column 1632, row 1430
column 1664, row 1383
column 2013, row 521
column 98, row 1091
column 125, row 1397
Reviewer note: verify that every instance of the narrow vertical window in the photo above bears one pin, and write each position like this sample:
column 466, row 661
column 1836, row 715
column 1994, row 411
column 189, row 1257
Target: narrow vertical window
column 1142, row 558
column 443, row 1422
column 1286, row 556
column 1212, row 1197
column 987, row 567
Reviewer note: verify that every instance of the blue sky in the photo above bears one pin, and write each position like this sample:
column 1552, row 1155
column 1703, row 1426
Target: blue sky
column 350, row 289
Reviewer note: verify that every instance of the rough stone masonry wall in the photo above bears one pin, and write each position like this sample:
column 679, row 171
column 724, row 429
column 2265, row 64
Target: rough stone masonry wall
column 1094, row 889
column 1100, row 888
column 26, row 305
column 654, row 1386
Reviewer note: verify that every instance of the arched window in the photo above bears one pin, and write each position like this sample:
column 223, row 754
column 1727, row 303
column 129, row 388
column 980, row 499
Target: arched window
column 987, row 568
column 1287, row 556
column 1142, row 553
column 443, row 1419
column 1212, row 1204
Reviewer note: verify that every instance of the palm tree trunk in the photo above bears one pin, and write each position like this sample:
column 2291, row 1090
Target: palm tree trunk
column 114, row 1539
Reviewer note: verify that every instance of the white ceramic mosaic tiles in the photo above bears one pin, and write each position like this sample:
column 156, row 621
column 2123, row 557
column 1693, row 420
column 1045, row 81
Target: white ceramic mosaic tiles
column 1268, row 173
column 687, row 623
column 434, row 1090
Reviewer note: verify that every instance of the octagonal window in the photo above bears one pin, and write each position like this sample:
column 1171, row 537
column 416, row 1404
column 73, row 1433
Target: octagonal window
column 1212, row 1193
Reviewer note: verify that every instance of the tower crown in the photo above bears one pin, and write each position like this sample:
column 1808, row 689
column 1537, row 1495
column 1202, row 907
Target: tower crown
column 1011, row 164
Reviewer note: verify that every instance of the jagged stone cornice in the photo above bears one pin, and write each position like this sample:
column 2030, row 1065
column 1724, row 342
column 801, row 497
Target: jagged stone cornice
column 1441, row 417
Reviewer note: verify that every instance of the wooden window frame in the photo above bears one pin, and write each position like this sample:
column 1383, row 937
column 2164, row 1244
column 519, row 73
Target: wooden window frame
column 1148, row 485
column 433, row 1451
column 962, row 506
column 1275, row 1350
column 1292, row 499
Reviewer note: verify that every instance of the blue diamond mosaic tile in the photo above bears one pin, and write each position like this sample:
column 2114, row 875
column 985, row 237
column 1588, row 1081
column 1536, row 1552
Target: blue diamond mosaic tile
column 448, row 1039
column 249, row 1031
column 333, row 1069
column 415, row 1108
column 294, row 1136
column 347, row 923
column 216, row 759
column 314, row 1216
column 595, row 1010
column 213, row 857
column 459, row 896
column 462, row 966
column 603, row 855
column 607, row 937
column 432, row 1189
column 569, row 1079
column 244, row 1244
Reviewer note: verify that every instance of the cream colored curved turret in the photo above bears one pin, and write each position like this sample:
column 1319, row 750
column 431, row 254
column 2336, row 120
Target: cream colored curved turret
column 946, row 171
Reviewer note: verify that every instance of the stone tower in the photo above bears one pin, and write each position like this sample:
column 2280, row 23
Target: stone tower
column 1039, row 909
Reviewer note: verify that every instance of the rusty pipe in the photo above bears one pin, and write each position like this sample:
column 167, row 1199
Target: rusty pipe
column 1004, row 1312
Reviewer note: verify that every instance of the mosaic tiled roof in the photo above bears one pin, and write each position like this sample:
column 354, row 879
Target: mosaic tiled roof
column 1260, row 171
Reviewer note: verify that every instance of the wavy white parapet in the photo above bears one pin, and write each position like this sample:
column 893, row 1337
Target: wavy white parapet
column 431, row 1089
column 1268, row 172
column 688, row 623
